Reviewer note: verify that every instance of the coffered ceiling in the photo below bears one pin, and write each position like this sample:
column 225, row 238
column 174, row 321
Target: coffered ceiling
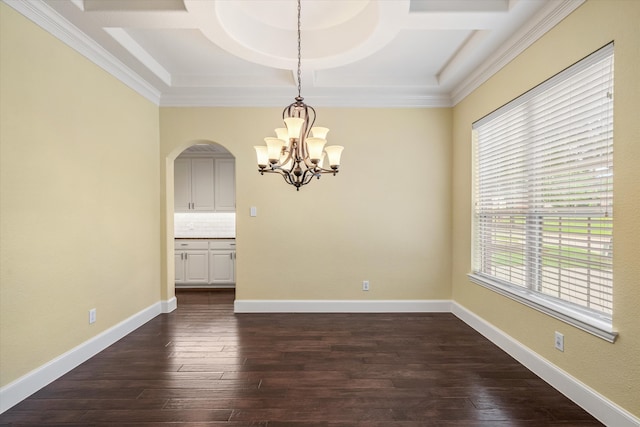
column 396, row 53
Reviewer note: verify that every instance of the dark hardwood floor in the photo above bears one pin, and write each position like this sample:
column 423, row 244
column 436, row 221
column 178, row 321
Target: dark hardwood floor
column 203, row 365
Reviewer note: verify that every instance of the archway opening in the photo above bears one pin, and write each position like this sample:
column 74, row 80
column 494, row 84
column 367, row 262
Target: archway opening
column 204, row 226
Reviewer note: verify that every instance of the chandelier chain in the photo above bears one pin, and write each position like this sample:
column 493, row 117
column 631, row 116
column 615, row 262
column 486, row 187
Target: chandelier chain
column 299, row 54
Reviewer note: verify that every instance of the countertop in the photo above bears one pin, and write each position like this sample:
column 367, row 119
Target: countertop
column 204, row 238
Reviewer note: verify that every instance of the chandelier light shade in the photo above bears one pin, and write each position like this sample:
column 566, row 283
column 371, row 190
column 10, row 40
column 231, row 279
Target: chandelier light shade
column 298, row 152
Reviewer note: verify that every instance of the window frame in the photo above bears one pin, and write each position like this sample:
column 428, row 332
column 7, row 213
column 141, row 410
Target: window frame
column 598, row 324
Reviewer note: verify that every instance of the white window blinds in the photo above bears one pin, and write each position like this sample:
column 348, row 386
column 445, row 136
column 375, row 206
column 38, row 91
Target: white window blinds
column 543, row 220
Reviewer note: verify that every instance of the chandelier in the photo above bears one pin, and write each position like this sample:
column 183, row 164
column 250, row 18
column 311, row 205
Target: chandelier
column 298, row 151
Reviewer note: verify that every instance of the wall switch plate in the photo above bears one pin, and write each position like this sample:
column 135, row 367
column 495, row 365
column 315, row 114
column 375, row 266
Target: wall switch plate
column 253, row 211
column 365, row 285
column 92, row 315
column 559, row 341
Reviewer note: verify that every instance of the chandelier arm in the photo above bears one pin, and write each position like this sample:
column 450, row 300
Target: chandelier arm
column 308, row 176
column 311, row 118
column 328, row 170
column 308, row 163
column 268, row 170
column 288, row 157
column 286, row 175
column 287, row 178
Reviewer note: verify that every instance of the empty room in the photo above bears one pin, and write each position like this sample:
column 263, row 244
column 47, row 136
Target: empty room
column 319, row 213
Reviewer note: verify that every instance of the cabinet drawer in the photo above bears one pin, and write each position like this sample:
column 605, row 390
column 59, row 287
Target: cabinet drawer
column 186, row 244
column 222, row 244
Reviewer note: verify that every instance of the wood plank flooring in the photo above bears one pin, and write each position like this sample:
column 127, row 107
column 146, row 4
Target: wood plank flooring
column 203, row 365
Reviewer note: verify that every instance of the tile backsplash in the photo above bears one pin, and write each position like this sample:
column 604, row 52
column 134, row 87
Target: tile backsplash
column 205, row 224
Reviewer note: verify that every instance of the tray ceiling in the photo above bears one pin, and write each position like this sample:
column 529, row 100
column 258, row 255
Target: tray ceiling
column 396, row 53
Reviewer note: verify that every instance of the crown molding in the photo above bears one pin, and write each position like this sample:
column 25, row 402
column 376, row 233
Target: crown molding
column 51, row 21
column 47, row 18
column 546, row 19
column 352, row 101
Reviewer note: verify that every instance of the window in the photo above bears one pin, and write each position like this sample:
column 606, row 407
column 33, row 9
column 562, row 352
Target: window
column 543, row 188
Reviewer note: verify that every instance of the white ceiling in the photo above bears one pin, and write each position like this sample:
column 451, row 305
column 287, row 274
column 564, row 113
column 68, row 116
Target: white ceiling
column 380, row 53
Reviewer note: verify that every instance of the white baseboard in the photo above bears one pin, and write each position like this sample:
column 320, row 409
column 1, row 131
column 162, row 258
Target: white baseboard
column 13, row 393
column 584, row 396
column 169, row 305
column 342, row 306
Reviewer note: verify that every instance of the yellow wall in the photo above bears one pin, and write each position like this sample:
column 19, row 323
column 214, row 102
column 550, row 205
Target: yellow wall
column 384, row 218
column 612, row 369
column 79, row 198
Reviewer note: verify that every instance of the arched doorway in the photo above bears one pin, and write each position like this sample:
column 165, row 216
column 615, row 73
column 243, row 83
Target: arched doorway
column 203, row 218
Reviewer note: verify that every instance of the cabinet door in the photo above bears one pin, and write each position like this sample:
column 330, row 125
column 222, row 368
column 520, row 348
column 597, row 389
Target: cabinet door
column 182, row 185
column 225, row 185
column 221, row 267
column 202, row 191
column 196, row 267
column 179, row 266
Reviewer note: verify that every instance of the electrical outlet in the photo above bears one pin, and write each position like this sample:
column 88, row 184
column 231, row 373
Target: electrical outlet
column 559, row 341
column 365, row 285
column 92, row 315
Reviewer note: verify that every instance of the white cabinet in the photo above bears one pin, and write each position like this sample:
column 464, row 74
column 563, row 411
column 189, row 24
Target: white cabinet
column 196, row 266
column 182, row 185
column 205, row 263
column 225, row 185
column 179, row 266
column 193, row 185
column 191, row 262
column 222, row 262
column 204, row 184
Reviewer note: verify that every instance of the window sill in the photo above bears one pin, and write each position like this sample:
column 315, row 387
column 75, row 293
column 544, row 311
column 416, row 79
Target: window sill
column 600, row 326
